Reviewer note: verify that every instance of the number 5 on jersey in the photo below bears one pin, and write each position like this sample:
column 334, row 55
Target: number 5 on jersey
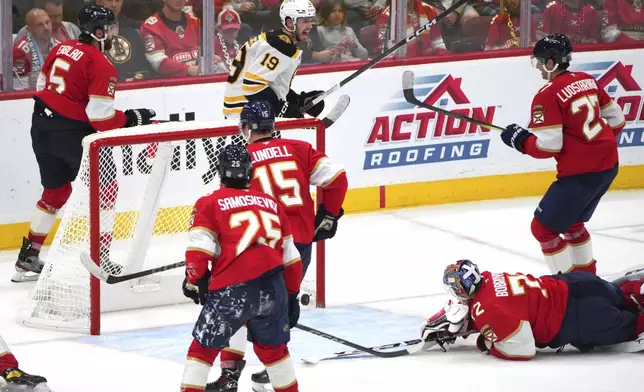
column 254, row 223
column 290, row 188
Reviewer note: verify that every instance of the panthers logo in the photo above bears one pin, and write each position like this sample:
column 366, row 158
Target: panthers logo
column 121, row 50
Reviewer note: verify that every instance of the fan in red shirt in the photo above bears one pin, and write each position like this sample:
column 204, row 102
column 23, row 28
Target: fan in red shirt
column 75, row 98
column 515, row 313
column 254, row 280
column 171, row 39
column 576, row 122
column 623, row 21
column 578, row 21
column 286, row 169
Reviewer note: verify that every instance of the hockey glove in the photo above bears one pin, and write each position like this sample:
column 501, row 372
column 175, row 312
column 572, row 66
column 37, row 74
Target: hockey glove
column 325, row 223
column 441, row 327
column 305, row 98
column 197, row 292
column 136, row 117
column 514, row 136
column 289, row 110
column 293, row 310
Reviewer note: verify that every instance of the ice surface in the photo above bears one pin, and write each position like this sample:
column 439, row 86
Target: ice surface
column 383, row 278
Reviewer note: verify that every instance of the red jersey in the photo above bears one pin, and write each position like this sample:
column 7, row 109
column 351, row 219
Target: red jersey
column 79, row 82
column 579, row 26
column 171, row 47
column 286, row 169
column 245, row 234
column 575, row 121
column 500, row 35
column 430, row 42
column 517, row 312
column 23, row 55
column 623, row 21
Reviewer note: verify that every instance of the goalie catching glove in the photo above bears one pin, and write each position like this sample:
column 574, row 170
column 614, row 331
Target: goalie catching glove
column 442, row 327
column 136, row 117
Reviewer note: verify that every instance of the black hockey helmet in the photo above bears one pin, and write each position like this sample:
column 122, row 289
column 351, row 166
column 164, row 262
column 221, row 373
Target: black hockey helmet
column 235, row 166
column 555, row 47
column 99, row 23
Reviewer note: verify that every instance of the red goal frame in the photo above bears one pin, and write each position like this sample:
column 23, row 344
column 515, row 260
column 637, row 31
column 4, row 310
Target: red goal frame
column 116, row 140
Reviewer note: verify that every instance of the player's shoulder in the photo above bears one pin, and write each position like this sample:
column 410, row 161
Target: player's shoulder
column 281, row 42
column 552, row 5
column 152, row 22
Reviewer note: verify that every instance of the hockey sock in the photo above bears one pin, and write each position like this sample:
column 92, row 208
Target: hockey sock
column 7, row 360
column 555, row 249
column 197, row 367
column 107, row 202
column 279, row 366
column 51, row 201
column 230, row 355
column 582, row 250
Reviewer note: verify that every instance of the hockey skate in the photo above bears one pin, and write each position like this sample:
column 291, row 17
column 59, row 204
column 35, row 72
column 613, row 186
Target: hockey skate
column 28, row 266
column 15, row 380
column 261, row 382
column 228, row 380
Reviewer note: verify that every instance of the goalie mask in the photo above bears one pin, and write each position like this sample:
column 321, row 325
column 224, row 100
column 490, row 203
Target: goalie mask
column 462, row 279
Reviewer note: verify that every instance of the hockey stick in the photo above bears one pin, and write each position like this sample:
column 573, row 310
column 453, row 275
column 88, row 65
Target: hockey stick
column 383, row 55
column 336, row 112
column 399, row 353
column 345, row 354
column 408, row 91
column 98, row 272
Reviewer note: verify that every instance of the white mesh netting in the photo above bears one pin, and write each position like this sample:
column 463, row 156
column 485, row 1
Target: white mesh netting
column 145, row 199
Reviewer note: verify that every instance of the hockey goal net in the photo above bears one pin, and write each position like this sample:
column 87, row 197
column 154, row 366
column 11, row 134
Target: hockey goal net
column 129, row 210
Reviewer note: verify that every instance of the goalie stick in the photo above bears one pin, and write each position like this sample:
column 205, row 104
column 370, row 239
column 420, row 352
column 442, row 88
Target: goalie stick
column 408, row 92
column 384, row 55
column 99, row 273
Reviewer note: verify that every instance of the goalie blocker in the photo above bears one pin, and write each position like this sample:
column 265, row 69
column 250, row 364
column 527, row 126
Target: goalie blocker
column 509, row 311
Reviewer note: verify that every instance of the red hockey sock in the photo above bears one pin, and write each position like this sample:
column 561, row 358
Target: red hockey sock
column 279, row 366
column 7, row 361
column 44, row 217
column 579, row 239
column 197, row 367
column 633, row 295
column 229, row 357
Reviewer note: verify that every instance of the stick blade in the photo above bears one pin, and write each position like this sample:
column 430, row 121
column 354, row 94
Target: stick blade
column 337, row 111
column 92, row 268
column 408, row 80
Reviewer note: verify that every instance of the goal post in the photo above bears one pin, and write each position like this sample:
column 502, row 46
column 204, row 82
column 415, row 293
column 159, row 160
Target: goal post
column 130, row 209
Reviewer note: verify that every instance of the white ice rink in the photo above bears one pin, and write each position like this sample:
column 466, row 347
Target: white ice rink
column 384, row 275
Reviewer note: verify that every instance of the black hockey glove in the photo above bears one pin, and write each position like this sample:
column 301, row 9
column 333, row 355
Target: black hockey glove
column 305, row 98
column 293, row 310
column 197, row 292
column 325, row 223
column 289, row 110
column 136, row 117
column 514, row 136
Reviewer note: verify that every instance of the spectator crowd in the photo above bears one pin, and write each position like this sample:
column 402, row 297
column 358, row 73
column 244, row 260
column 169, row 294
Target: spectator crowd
column 161, row 38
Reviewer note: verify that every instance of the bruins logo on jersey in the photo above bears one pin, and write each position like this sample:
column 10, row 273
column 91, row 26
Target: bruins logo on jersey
column 285, row 38
column 121, row 50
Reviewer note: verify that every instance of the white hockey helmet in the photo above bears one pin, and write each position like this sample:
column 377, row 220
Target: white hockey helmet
column 295, row 9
